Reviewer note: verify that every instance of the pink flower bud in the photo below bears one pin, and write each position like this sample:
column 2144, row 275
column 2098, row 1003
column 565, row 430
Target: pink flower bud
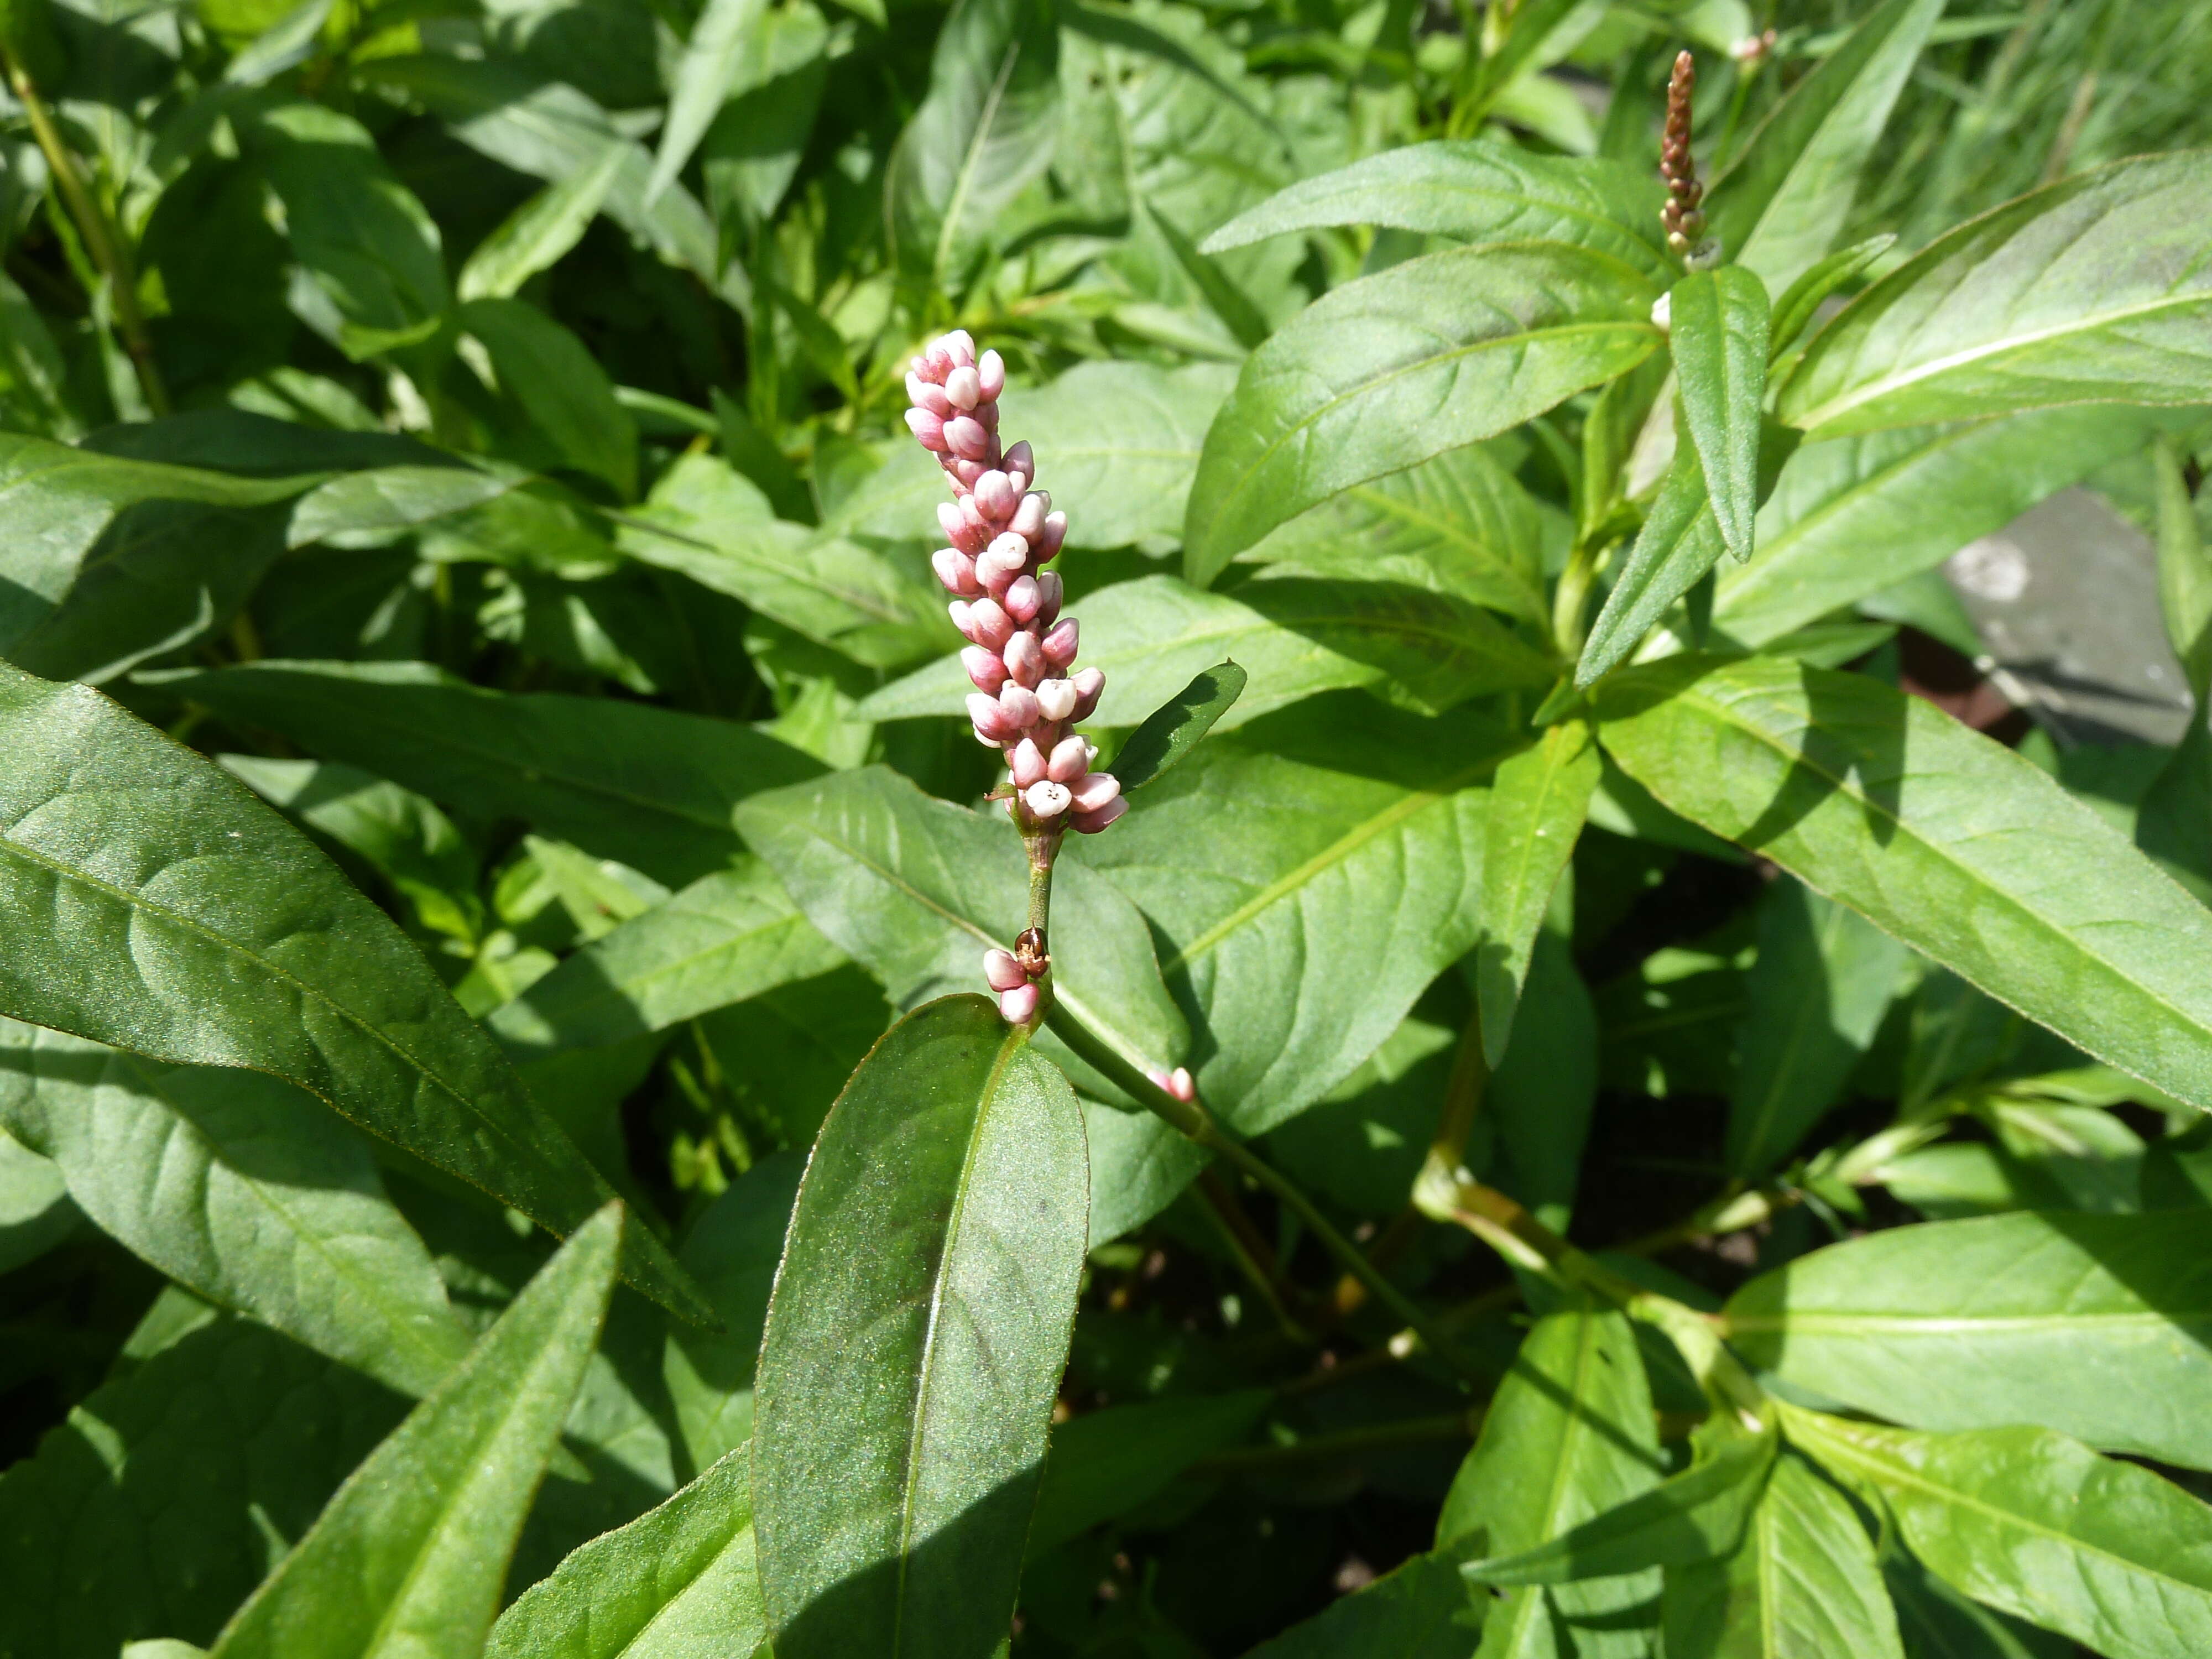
column 936, row 362
column 963, row 389
column 1089, row 824
column 1026, row 761
column 964, row 435
column 1029, row 516
column 967, row 471
column 960, row 346
column 1056, row 699
column 994, row 496
column 1049, row 590
column 1071, row 759
column 988, row 624
column 1021, row 598
column 1047, row 799
column 1088, row 686
column 956, row 571
column 988, row 414
column 1019, row 704
column 1006, row 558
column 1095, row 790
column 985, row 668
column 988, row 719
column 991, row 374
column 1060, row 644
column 1181, row 1085
column 1055, row 524
column 928, row 428
column 923, row 395
column 949, row 519
column 1003, row 971
column 1022, row 459
column 1018, row 1006
column 1025, row 657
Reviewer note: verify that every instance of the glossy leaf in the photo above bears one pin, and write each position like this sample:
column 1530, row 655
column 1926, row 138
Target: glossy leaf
column 1803, row 1583
column 204, row 930
column 242, row 1189
column 1387, row 371
column 410, row 1554
column 1679, row 542
column 650, row 787
column 1178, row 726
column 1718, row 336
column 1777, row 207
column 2089, row 290
column 1106, row 1462
column 1537, row 804
column 676, row 1584
column 1420, row 1609
column 916, row 1336
column 539, row 233
column 1943, row 839
column 2093, row 1325
column 1475, row 190
column 2041, row 1526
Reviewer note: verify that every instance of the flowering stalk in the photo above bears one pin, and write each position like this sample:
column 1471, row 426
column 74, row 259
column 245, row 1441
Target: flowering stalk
column 1684, row 216
column 1021, row 651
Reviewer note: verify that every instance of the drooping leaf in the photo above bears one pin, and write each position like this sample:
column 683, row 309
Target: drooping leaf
column 646, row 786
column 241, row 1188
column 1105, row 1463
column 1178, row 726
column 1537, row 804
column 916, row 1336
column 1420, row 1609
column 2039, row 1526
column 410, row 1554
column 1818, row 988
column 1544, row 1090
column 2089, row 290
column 1941, row 838
column 2093, row 1325
column 1679, row 542
column 675, row 1583
column 1387, row 371
column 1718, row 336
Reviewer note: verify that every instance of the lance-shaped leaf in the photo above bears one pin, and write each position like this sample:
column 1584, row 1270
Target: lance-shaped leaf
column 646, row 786
column 536, row 235
column 1428, row 355
column 364, row 508
column 1941, row 838
column 1105, row 1463
column 2041, row 1526
column 187, row 921
column 1695, row 1516
column 677, row 1583
column 559, row 385
column 1799, row 303
column 1568, row 1435
column 1178, row 726
column 1537, row 804
column 2094, row 290
column 1718, row 338
column 1778, row 206
column 1679, row 542
column 241, row 1188
column 1419, row 1610
column 914, row 1340
column 1804, row 1581
column 411, row 1553
column 724, row 938
column 2095, row 1325
column 1473, row 190
column 1138, row 1164
column 726, row 52
column 1820, row 987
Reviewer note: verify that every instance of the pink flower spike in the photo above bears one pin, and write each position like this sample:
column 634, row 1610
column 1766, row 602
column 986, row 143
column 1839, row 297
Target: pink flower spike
column 1018, row 1006
column 1049, row 590
column 956, row 571
column 928, row 428
column 960, row 346
column 991, row 374
column 1019, row 704
column 1096, row 789
column 1060, row 644
column 1024, row 659
column 1055, row 525
column 1022, row 459
column 1006, row 558
column 961, row 388
column 985, row 669
column 1021, row 598
column 1089, row 824
column 1182, row 1085
column 1029, row 516
column 1003, row 971
column 1047, row 799
column 1056, row 698
column 989, row 717
column 923, row 395
column 994, row 496
column 1071, row 759
column 1026, row 761
column 988, row 625
column 964, row 436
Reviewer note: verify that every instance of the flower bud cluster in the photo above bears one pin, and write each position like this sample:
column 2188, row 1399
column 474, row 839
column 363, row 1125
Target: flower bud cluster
column 1683, row 218
column 1028, row 694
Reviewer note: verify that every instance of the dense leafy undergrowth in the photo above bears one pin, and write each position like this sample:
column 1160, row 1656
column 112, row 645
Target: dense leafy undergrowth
column 1558, row 1103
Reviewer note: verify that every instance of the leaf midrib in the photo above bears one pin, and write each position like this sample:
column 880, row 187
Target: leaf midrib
column 971, row 158
column 1520, row 200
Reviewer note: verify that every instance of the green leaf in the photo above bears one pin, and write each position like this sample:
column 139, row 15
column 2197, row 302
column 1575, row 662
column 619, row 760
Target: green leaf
column 983, row 131
column 723, row 56
column 1718, row 337
column 1941, row 838
column 920, row 1323
column 1695, row 1516
column 1419, row 1610
column 1679, row 542
column 1537, row 804
column 2089, row 290
column 1385, row 372
column 726, row 936
column 1937, row 1622
column 646, row 786
column 787, row 1052
column 1228, row 302
column 2041, row 1526
column 1803, row 1582
column 206, row 931
column 1332, row 822
column 242, row 1189
column 752, row 151
column 1105, row 1463
column 675, row 1583
column 1854, row 516
column 538, row 234
column 1568, row 1435
column 363, row 509
column 1178, row 726
column 2093, row 1325
column 35, row 1211
column 1801, row 301
column 410, row 1555
column 559, row 387
column 1474, row 191
column 1543, row 1091
column 2184, row 571
column 1778, row 206
column 916, row 889
column 1821, row 986
column 1139, row 1164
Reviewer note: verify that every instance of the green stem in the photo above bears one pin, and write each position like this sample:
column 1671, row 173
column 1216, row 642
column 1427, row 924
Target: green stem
column 1572, row 599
